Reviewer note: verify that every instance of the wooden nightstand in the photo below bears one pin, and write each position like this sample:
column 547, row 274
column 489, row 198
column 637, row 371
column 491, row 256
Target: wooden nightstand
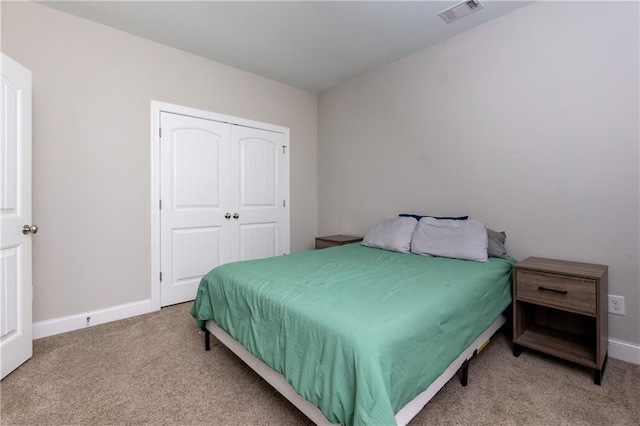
column 560, row 308
column 335, row 240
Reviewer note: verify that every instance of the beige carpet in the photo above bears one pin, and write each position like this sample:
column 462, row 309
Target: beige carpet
column 153, row 369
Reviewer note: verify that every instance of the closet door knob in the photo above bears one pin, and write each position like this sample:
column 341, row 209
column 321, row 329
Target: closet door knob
column 26, row 229
column 227, row 215
column 236, row 215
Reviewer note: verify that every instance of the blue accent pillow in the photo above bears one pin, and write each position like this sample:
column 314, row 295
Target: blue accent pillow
column 418, row 216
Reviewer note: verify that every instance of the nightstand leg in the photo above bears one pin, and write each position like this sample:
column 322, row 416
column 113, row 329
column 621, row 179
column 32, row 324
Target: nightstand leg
column 517, row 350
column 597, row 374
column 597, row 377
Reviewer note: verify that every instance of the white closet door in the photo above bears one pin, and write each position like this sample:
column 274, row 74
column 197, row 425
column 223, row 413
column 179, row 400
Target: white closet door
column 224, row 192
column 261, row 193
column 15, row 212
column 195, row 171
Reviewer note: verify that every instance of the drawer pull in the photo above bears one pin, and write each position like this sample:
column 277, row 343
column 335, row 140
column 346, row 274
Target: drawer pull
column 553, row 290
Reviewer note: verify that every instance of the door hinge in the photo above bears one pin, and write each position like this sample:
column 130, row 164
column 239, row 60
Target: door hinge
column 160, row 276
column 160, row 205
column 284, row 203
column 159, row 131
column 284, row 147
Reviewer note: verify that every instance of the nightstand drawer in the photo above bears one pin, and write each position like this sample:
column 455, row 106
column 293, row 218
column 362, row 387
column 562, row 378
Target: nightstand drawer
column 569, row 292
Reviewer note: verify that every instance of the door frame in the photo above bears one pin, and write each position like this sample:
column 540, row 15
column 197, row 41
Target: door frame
column 157, row 108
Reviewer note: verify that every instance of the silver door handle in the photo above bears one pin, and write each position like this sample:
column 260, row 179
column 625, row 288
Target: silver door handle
column 26, row 229
column 236, row 215
column 227, row 215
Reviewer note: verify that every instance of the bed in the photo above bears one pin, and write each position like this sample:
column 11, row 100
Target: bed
column 355, row 335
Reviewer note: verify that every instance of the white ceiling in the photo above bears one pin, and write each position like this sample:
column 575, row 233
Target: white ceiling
column 312, row 45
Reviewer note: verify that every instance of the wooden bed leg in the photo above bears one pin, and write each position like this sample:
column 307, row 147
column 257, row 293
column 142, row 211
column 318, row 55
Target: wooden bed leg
column 207, row 339
column 464, row 373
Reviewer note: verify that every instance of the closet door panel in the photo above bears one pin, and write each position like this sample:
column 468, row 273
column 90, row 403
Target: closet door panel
column 195, row 235
column 258, row 178
column 260, row 192
column 258, row 240
column 195, row 181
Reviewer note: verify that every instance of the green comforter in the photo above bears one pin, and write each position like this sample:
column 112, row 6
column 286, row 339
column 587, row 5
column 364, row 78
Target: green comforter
column 357, row 331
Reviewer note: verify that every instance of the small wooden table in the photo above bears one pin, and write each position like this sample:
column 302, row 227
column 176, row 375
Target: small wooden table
column 335, row 240
column 561, row 308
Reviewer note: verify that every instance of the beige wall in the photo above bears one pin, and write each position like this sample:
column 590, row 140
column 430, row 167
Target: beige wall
column 529, row 122
column 92, row 88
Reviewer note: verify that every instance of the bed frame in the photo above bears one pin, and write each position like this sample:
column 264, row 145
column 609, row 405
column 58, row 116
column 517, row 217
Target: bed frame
column 408, row 412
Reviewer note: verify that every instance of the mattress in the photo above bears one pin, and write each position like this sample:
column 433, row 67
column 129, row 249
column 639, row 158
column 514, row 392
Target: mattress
column 358, row 332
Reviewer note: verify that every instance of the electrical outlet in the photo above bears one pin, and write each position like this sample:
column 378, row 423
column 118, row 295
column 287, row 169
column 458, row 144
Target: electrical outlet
column 616, row 304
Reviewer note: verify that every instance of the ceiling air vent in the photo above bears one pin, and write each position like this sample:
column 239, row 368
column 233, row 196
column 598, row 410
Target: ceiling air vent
column 459, row 10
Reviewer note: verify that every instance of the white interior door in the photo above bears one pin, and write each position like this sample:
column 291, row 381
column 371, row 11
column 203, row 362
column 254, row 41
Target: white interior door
column 15, row 212
column 261, row 193
column 195, row 168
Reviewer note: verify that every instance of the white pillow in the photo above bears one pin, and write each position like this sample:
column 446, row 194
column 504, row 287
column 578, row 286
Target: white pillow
column 460, row 239
column 391, row 234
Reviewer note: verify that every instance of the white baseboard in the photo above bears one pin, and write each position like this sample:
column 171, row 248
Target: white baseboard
column 99, row 316
column 624, row 351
